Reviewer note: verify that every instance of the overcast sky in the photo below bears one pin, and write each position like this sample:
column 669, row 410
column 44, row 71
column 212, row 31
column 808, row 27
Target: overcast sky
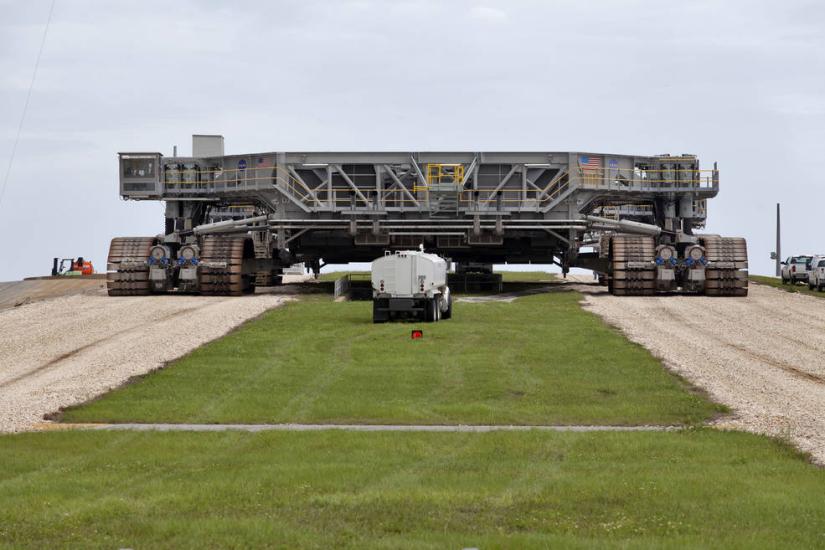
column 741, row 83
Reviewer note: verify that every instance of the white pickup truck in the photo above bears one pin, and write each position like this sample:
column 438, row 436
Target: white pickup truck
column 816, row 273
column 795, row 269
column 410, row 284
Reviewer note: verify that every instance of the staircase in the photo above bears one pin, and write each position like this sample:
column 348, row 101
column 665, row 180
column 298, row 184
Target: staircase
column 555, row 192
column 444, row 203
column 262, row 242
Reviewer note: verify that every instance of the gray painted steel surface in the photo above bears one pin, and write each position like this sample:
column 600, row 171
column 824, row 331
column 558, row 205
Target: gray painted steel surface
column 490, row 207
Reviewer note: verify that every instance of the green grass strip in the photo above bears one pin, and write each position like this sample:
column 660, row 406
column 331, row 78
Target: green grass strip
column 775, row 282
column 538, row 360
column 331, row 489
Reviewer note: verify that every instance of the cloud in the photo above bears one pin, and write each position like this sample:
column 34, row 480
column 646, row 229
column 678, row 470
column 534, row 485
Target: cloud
column 739, row 82
column 798, row 104
column 486, row 13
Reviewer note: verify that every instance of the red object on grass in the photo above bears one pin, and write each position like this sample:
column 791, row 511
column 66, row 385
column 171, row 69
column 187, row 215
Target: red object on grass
column 417, row 334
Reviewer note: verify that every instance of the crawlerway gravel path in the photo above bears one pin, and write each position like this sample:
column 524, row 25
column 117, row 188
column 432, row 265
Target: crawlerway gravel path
column 763, row 356
column 67, row 350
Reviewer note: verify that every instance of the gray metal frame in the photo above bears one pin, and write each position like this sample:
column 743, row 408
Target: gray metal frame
column 508, row 206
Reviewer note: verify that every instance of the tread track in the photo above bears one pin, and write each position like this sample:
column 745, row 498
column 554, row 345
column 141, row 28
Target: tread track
column 267, row 278
column 221, row 266
column 128, row 273
column 634, row 272
column 732, row 252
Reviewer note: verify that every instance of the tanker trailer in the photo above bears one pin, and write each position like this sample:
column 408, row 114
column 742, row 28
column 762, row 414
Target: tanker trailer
column 410, row 284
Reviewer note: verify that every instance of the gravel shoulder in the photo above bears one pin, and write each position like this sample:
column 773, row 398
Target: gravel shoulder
column 18, row 293
column 762, row 355
column 67, row 350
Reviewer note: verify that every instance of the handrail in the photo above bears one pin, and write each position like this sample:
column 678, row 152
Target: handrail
column 587, row 174
column 637, row 176
column 339, row 197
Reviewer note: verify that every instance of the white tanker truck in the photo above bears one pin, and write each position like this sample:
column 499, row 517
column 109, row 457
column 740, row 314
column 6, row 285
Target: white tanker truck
column 410, row 284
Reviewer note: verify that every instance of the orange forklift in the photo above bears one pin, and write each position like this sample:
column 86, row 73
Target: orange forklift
column 69, row 267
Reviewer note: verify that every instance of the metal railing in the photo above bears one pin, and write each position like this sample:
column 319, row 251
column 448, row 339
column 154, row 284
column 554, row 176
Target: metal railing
column 326, row 197
column 441, row 175
column 616, row 212
column 648, row 180
column 219, row 180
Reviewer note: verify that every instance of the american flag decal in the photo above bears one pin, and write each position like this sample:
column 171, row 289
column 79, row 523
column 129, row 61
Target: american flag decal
column 591, row 163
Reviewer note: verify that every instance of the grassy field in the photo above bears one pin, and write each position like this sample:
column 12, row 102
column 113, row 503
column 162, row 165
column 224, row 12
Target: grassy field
column 507, row 276
column 333, row 489
column 538, row 360
column 777, row 283
column 527, row 276
column 334, row 275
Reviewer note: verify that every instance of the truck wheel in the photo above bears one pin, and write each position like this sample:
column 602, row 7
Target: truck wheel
column 436, row 310
column 784, row 280
column 427, row 316
column 379, row 316
column 449, row 313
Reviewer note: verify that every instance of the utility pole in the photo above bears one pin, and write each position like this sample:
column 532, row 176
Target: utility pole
column 778, row 244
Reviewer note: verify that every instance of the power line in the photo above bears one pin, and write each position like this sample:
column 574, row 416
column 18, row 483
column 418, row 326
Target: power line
column 26, row 104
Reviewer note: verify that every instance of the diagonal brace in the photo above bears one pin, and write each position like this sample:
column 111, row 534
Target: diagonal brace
column 400, row 184
column 352, row 185
column 503, row 182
